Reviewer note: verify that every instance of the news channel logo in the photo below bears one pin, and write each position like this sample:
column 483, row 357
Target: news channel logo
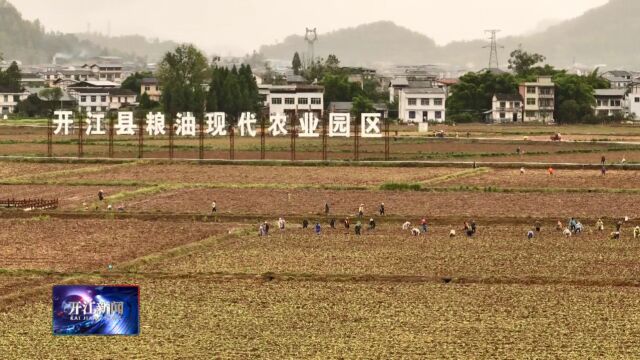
column 96, row 310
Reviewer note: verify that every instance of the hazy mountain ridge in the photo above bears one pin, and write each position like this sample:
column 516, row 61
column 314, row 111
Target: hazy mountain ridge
column 602, row 35
column 28, row 42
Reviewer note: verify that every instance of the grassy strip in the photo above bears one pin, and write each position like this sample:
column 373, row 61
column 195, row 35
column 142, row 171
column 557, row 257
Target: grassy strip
column 457, row 175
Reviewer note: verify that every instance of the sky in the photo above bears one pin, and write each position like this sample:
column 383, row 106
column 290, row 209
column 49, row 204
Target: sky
column 236, row 27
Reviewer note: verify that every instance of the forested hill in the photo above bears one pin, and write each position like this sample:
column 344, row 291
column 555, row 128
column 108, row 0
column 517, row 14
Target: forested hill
column 603, row 35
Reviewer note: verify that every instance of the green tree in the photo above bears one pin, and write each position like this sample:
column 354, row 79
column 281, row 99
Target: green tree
column 472, row 95
column 32, row 106
column 332, row 63
column 52, row 96
column 574, row 94
column 361, row 105
column 296, row 63
column 10, row 78
column 134, row 81
column 521, row 62
column 338, row 88
column 183, row 73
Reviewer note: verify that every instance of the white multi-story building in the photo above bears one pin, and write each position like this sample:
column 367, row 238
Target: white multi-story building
column 539, row 99
column 506, row 108
column 108, row 72
column 9, row 100
column 151, row 87
column 610, row 102
column 292, row 99
column 416, row 105
column 633, row 100
column 99, row 99
column 619, row 79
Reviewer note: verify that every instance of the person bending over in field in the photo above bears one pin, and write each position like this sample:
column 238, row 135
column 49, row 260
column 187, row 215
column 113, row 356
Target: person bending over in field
column 305, row 224
column 332, row 223
column 538, row 226
column 406, row 225
column 452, row 233
column 101, row 195
column 358, row 228
column 318, row 228
column 266, row 228
column 381, row 210
column 347, row 223
column 415, row 231
column 636, row 232
column 578, row 229
column 361, row 211
column 559, row 226
column 214, row 207
column 372, row 224
column 600, row 225
column 530, row 234
column 615, row 235
column 566, row 232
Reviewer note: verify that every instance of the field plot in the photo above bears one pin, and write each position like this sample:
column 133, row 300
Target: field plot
column 204, row 318
column 540, row 179
column 285, row 175
column 89, row 245
column 310, row 203
column 71, row 197
column 10, row 169
column 496, row 253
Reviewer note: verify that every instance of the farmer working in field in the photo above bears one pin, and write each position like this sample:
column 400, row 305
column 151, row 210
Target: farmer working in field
column 101, row 195
column 214, row 207
column 423, row 223
column 326, row 208
column 361, row 211
column 332, row 223
column 406, row 225
column 530, row 234
column 372, row 224
column 358, row 228
column 318, row 228
column 281, row 224
column 600, row 225
column 636, row 232
column 381, row 210
column 347, row 223
column 305, row 224
column 415, row 231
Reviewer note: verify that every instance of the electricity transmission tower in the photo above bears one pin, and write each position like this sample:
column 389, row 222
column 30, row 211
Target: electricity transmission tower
column 493, row 56
column 311, row 36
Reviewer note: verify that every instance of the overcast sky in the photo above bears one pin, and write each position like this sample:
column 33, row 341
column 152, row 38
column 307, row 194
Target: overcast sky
column 239, row 26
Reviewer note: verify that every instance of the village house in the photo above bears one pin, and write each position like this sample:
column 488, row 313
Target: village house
column 619, row 79
column 506, row 108
column 108, row 72
column 424, row 104
column 610, row 102
column 539, row 100
column 346, row 107
column 151, row 87
column 633, row 100
column 9, row 99
column 294, row 99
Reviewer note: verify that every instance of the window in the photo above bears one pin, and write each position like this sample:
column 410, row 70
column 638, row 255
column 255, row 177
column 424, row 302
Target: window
column 531, row 114
column 83, row 99
column 93, row 108
column 599, row 102
column 316, row 101
column 425, row 116
column 147, row 88
column 503, row 115
column 412, row 114
column 437, row 102
column 638, row 100
column 531, row 90
column 503, row 105
column 616, row 103
column 103, row 98
column 303, row 101
column 289, row 101
column 93, row 98
column 276, row 101
column 6, row 98
column 531, row 101
column 413, row 102
column 516, row 104
column 438, row 115
column 424, row 102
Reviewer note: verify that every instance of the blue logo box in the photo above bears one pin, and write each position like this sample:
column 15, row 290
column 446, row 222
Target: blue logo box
column 96, row 310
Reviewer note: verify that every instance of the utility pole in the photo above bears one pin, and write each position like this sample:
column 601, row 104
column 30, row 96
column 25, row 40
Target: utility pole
column 493, row 55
